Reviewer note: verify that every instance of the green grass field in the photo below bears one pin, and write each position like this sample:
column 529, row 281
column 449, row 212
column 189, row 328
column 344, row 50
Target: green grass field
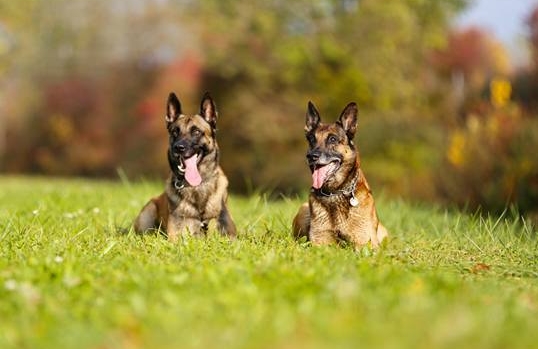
column 71, row 277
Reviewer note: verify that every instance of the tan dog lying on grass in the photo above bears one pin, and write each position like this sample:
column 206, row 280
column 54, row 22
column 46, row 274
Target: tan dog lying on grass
column 341, row 206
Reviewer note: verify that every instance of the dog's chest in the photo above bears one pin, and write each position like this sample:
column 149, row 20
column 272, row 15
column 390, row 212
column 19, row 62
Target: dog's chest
column 202, row 202
column 338, row 215
column 330, row 213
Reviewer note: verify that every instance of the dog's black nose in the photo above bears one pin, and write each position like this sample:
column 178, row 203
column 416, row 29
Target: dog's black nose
column 178, row 148
column 313, row 155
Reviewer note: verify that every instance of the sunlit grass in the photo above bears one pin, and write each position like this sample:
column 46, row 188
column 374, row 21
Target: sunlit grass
column 72, row 276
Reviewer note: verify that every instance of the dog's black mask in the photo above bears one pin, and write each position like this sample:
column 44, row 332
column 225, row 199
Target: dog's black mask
column 191, row 137
column 183, row 146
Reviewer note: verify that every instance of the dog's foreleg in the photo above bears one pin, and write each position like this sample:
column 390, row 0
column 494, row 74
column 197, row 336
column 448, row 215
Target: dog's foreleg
column 322, row 237
column 225, row 224
column 382, row 232
column 179, row 226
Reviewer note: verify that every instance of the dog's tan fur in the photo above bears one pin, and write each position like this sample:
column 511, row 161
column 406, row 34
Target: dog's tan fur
column 329, row 217
column 182, row 208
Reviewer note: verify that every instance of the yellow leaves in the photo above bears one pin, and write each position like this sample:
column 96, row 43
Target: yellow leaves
column 526, row 165
column 501, row 91
column 492, row 126
column 500, row 61
column 61, row 128
column 480, row 268
column 461, row 141
column 456, row 149
column 492, row 129
column 490, row 162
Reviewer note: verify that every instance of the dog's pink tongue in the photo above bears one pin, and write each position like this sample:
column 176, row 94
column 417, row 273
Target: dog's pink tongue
column 191, row 171
column 319, row 176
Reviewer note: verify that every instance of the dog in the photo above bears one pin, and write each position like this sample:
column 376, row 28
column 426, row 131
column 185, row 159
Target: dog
column 196, row 189
column 340, row 207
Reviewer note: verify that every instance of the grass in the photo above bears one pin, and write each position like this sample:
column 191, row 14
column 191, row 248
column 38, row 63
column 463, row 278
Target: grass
column 70, row 277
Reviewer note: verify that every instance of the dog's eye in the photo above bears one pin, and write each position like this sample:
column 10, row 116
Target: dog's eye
column 196, row 132
column 311, row 138
column 332, row 139
column 175, row 132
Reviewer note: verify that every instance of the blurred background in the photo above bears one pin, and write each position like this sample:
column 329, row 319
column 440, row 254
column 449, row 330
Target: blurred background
column 447, row 90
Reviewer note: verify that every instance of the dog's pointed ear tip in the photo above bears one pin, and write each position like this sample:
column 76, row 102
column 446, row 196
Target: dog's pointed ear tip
column 172, row 98
column 350, row 110
column 312, row 111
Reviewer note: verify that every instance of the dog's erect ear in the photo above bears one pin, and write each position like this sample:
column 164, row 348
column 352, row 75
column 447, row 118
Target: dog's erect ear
column 173, row 108
column 348, row 119
column 208, row 110
column 312, row 118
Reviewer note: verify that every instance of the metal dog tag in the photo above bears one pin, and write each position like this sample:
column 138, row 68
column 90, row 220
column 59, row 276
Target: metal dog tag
column 353, row 201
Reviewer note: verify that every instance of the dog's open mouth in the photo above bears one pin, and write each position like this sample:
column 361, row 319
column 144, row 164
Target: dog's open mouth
column 189, row 167
column 321, row 172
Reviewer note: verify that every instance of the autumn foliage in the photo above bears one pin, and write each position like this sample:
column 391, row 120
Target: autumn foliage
column 84, row 95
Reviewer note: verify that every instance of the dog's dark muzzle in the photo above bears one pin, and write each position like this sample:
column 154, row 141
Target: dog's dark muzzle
column 183, row 149
column 316, row 158
column 313, row 156
column 177, row 153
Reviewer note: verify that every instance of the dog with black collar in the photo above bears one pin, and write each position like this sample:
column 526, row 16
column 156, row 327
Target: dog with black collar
column 196, row 189
column 341, row 206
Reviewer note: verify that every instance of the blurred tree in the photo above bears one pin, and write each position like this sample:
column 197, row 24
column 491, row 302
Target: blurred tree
column 89, row 80
column 489, row 161
column 526, row 80
column 470, row 59
column 13, row 16
column 532, row 24
column 84, row 67
column 370, row 50
column 266, row 58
